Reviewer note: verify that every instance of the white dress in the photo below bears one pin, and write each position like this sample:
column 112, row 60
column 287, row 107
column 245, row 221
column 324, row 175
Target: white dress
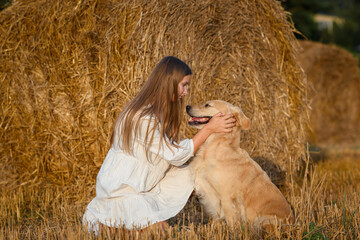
column 134, row 191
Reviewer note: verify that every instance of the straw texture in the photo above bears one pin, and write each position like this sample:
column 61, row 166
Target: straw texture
column 68, row 67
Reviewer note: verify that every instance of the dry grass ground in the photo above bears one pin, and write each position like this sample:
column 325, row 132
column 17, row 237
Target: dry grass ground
column 326, row 206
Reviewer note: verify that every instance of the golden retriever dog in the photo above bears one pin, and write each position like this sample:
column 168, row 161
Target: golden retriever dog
column 230, row 184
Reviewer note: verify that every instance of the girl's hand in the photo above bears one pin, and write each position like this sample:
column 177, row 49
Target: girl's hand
column 217, row 124
column 221, row 123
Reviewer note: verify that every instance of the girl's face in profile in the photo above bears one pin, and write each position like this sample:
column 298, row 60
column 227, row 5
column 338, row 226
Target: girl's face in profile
column 183, row 86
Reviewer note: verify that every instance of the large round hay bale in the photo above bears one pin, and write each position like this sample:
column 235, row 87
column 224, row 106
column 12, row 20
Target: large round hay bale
column 334, row 75
column 68, row 67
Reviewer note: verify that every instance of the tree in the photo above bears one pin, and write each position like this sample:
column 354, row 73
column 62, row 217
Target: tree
column 4, row 4
column 346, row 35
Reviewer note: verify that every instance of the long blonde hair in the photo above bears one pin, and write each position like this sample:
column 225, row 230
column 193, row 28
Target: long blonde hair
column 158, row 98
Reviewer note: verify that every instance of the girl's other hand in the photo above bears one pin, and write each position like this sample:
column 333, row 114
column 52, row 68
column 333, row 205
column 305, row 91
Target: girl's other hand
column 221, row 123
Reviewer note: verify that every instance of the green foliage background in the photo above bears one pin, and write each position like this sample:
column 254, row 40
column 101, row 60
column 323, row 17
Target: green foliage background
column 346, row 35
column 4, row 4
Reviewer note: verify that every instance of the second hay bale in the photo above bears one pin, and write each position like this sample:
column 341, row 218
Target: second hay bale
column 335, row 102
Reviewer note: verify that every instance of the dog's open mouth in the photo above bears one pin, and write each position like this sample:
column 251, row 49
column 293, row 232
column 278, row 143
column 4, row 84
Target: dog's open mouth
column 199, row 120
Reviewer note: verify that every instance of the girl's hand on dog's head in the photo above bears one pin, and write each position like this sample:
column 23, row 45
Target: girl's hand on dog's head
column 221, row 123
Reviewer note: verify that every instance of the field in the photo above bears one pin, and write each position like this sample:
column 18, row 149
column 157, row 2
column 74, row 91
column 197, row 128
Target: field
column 326, row 206
column 65, row 79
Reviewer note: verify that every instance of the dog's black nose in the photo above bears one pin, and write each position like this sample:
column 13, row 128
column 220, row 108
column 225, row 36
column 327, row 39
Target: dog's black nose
column 188, row 107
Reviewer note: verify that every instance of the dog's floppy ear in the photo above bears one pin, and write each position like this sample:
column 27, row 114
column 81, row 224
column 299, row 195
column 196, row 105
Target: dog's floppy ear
column 241, row 119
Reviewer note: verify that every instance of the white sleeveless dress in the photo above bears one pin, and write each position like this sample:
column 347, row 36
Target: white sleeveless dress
column 134, row 191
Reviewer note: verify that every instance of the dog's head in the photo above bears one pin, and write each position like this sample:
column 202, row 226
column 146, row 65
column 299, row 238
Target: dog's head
column 201, row 114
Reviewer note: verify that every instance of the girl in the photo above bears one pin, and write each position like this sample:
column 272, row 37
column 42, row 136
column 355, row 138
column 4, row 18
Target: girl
column 142, row 181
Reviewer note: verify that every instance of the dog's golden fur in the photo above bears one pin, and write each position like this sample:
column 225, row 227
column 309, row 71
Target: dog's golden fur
column 229, row 183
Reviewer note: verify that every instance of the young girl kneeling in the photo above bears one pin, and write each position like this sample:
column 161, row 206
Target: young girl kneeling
column 142, row 181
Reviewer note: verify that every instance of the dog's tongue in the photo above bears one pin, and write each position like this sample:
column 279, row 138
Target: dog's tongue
column 198, row 119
